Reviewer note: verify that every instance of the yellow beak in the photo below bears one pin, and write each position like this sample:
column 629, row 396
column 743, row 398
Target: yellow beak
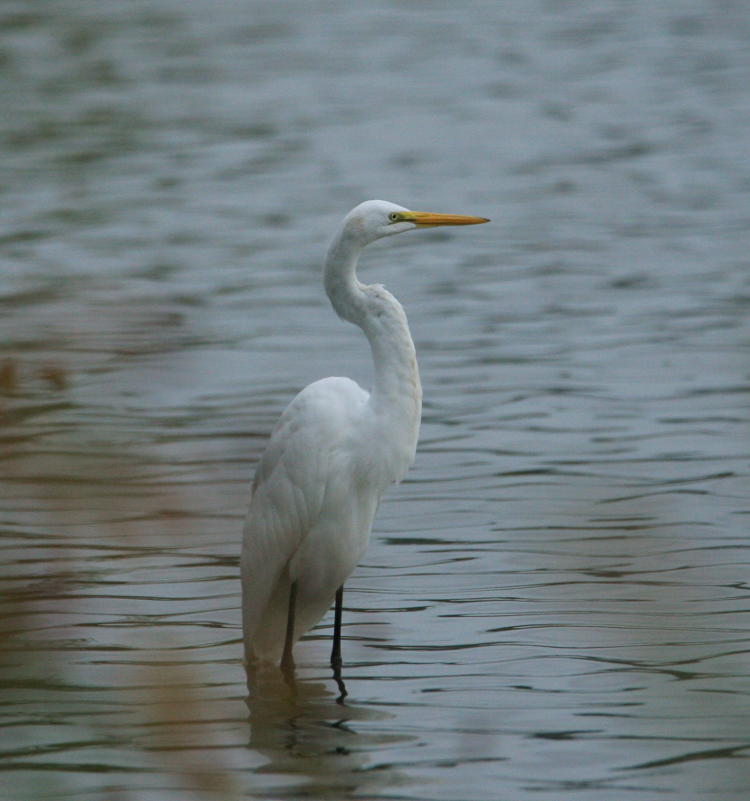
column 427, row 219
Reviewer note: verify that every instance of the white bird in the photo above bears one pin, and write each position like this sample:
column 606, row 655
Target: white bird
column 331, row 455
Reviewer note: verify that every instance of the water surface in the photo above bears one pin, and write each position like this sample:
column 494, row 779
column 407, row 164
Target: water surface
column 554, row 603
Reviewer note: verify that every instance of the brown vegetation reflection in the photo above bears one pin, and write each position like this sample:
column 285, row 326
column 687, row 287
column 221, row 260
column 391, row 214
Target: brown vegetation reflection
column 154, row 704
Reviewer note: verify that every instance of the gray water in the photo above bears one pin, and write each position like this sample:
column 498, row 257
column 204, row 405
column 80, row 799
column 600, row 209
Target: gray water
column 554, row 604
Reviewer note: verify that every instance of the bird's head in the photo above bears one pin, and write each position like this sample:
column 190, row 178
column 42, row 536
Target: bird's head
column 374, row 219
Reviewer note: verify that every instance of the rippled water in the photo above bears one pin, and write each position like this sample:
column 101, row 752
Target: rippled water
column 555, row 601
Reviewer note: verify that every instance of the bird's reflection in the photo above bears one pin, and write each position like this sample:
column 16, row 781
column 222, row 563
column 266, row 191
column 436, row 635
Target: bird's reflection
column 305, row 730
column 264, row 681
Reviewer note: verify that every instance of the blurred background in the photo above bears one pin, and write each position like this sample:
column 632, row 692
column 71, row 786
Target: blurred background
column 555, row 602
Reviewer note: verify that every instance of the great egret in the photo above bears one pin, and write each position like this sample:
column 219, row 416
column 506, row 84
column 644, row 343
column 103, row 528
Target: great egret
column 331, row 455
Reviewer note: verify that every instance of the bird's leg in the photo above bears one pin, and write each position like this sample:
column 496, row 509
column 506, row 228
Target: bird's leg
column 287, row 660
column 336, row 650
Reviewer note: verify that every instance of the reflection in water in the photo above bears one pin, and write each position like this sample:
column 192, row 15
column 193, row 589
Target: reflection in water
column 263, row 678
column 307, row 732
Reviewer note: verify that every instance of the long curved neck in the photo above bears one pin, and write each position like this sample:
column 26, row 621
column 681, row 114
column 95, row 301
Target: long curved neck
column 396, row 389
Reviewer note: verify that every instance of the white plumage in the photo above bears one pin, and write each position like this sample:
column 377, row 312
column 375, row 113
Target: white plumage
column 332, row 454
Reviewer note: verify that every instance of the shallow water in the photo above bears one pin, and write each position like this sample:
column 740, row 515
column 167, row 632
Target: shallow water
column 554, row 603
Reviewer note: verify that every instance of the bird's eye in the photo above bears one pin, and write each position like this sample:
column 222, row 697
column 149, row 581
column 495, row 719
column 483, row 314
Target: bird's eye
column 394, row 216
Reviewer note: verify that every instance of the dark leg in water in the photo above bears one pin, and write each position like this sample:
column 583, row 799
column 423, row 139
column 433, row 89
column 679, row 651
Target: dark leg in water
column 336, row 650
column 287, row 660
